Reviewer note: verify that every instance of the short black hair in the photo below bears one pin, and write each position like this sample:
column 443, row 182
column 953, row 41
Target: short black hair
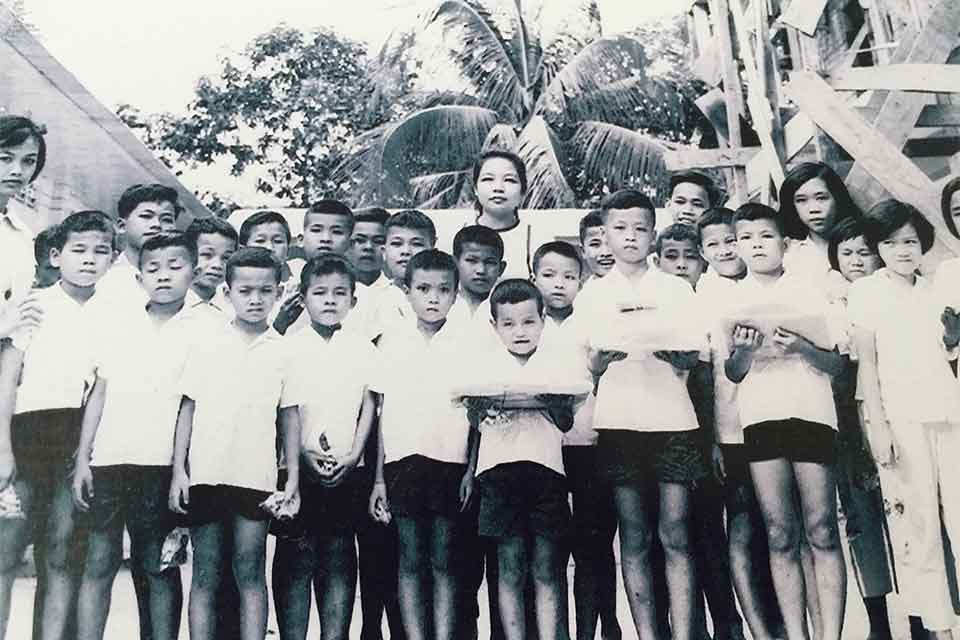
column 412, row 219
column 755, row 211
column 432, row 260
column 325, row 265
column 330, row 207
column 256, row 257
column 628, row 199
column 803, row 173
column 844, row 230
column 477, row 234
column 137, row 194
column 945, row 196
column 888, row 216
column 715, row 216
column 376, row 215
column 80, row 222
column 697, row 178
column 15, row 130
column 514, row 291
column 169, row 239
column 593, row 218
column 513, row 158
column 211, row 225
column 560, row 248
column 260, row 218
column 43, row 243
column 679, row 233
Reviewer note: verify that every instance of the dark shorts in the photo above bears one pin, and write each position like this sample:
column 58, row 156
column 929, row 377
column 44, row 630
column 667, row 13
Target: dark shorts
column 636, row 458
column 221, row 502
column 523, row 499
column 593, row 510
column 738, row 484
column 418, row 486
column 44, row 444
column 327, row 511
column 131, row 495
column 793, row 439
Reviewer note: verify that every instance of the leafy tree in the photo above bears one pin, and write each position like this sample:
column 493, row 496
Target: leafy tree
column 585, row 112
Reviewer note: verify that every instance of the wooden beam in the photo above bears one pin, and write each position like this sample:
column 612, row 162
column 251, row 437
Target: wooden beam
column 854, row 49
column 933, row 115
column 804, row 15
column 708, row 158
column 872, row 152
column 925, row 78
column 732, row 94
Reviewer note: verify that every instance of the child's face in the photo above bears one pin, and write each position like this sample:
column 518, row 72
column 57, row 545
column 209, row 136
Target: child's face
column 147, row 219
column 479, row 267
column 901, row 252
column 856, row 259
column 329, row 299
column 366, row 252
column 815, row 206
column 519, row 326
column 597, row 252
column 681, row 258
column 630, row 234
column 85, row 257
column 325, row 233
column 558, row 279
column 17, row 165
column 688, row 202
column 720, row 250
column 431, row 294
column 272, row 236
column 761, row 245
column 498, row 187
column 403, row 244
column 253, row 293
column 166, row 274
column 213, row 251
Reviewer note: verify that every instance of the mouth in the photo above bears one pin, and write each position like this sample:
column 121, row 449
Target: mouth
column 497, row 199
column 758, row 255
column 13, row 184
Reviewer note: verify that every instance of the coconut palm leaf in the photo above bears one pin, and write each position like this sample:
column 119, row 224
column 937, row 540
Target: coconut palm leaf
column 616, row 158
column 575, row 29
column 501, row 136
column 440, row 190
column 644, row 103
column 541, row 151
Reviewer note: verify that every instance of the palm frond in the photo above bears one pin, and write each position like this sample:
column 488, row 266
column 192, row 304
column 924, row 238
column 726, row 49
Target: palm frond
column 541, row 151
column 501, row 136
column 483, row 55
column 574, row 29
column 649, row 104
column 440, row 190
column 614, row 158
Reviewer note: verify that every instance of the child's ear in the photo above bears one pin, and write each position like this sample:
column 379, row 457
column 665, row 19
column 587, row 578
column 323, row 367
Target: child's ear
column 503, row 267
column 139, row 277
column 120, row 225
column 353, row 301
column 656, row 261
column 55, row 257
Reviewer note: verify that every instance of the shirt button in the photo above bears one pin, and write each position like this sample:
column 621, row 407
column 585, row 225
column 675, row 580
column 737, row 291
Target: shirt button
column 7, row 294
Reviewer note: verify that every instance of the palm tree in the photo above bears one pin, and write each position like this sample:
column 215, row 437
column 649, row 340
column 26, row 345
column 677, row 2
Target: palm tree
column 580, row 109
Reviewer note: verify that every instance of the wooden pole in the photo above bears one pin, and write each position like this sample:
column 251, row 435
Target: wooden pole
column 732, row 93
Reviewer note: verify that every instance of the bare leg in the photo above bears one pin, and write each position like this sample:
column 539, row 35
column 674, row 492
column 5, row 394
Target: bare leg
column 443, row 555
column 13, row 542
column 294, row 561
column 208, row 558
column 335, row 584
column 413, row 600
column 249, row 560
column 61, row 582
column 741, row 535
column 674, row 529
column 635, row 539
column 511, row 585
column 550, row 589
column 104, row 551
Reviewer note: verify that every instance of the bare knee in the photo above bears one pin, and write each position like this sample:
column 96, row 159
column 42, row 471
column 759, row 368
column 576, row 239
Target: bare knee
column 248, row 567
column 675, row 536
column 409, row 560
column 546, row 567
column 823, row 534
column 635, row 540
column 511, row 559
column 783, row 538
column 441, row 563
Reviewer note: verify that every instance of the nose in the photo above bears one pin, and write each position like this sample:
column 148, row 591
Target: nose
column 682, row 266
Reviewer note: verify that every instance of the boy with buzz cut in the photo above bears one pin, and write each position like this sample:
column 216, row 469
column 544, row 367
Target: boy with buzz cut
column 44, row 375
column 422, row 470
column 214, row 241
column 593, row 244
column 336, row 412
column 478, row 251
column 678, row 253
column 270, row 230
column 366, row 245
column 644, row 415
column 557, row 275
column 122, row 475
column 691, row 194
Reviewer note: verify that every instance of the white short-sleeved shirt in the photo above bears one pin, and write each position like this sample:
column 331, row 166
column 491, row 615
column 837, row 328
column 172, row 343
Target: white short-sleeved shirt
column 380, row 306
column 788, row 387
column 327, row 380
column 475, row 322
column 16, row 253
column 946, row 284
column 572, row 335
column 714, row 295
column 641, row 393
column 57, row 355
column 417, row 378
column 916, row 384
column 142, row 363
column 237, row 386
column 806, row 259
column 119, row 286
column 517, row 252
column 526, row 435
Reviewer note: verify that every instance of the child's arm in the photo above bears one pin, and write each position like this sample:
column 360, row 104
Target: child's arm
column 876, row 425
column 290, row 428
column 345, row 465
column 746, row 341
column 559, row 410
column 829, row 362
column 92, row 412
column 180, row 485
column 600, row 360
column 377, row 505
column 682, row 360
column 469, row 475
column 11, row 362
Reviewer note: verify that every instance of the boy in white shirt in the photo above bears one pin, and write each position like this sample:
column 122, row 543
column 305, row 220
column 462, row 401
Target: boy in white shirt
column 366, row 245
column 790, row 438
column 225, row 452
column 478, row 251
column 422, row 471
column 337, row 410
column 44, row 376
column 122, row 474
column 215, row 241
column 593, row 245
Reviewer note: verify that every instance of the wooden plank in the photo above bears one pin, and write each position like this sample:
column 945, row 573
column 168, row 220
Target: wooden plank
column 872, row 152
column 732, row 94
column 854, row 49
column 933, row 115
column 683, row 159
column 804, row 15
column 926, row 78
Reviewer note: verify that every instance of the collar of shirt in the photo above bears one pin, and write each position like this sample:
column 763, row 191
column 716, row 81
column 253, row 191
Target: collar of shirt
column 270, row 335
column 885, row 275
column 15, row 221
column 193, row 299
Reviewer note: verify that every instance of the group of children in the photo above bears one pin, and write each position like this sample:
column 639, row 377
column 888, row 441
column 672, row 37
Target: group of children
column 203, row 379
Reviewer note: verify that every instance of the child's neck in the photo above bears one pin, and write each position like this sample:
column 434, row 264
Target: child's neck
column 818, row 241
column 430, row 329
column 737, row 277
column 325, row 331
column 906, row 280
column 368, row 277
column 3, row 203
column 633, row 269
column 769, row 277
column 160, row 312
column 499, row 223
column 251, row 330
column 132, row 254
column 561, row 314
column 473, row 300
column 522, row 358
column 77, row 293
column 204, row 293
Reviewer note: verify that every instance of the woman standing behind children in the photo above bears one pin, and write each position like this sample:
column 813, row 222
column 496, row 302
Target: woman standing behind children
column 500, row 180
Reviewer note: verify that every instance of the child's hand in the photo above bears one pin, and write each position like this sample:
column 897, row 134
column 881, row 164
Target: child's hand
column 340, row 470
column 719, row 468
column 792, row 343
column 28, row 316
column 466, row 490
column 179, row 499
column 379, row 507
column 479, row 408
column 8, row 469
column 317, row 465
column 290, row 310
column 601, row 359
column 82, row 486
column 951, row 327
column 682, row 360
column 746, row 339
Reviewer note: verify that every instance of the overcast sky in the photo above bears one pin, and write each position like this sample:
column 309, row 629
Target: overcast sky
column 150, row 53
